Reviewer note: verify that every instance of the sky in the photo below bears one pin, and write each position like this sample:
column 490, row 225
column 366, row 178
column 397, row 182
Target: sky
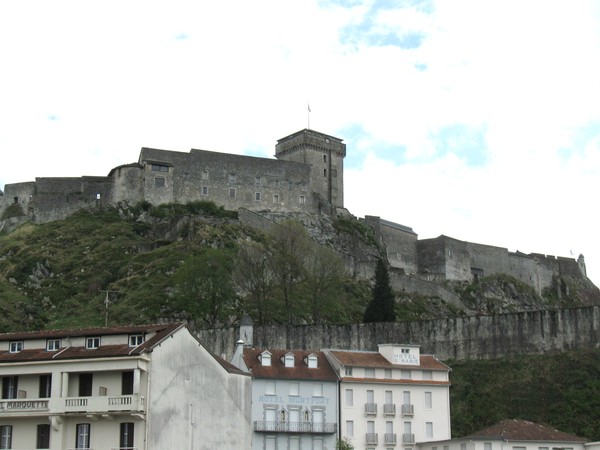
column 476, row 119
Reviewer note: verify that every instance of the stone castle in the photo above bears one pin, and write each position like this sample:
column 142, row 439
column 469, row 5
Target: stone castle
column 307, row 177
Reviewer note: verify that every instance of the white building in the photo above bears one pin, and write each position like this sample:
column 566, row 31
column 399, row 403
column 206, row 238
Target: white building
column 395, row 398
column 294, row 398
column 514, row 435
column 137, row 387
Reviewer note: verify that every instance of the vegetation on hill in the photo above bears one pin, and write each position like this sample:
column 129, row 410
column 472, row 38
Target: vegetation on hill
column 562, row 390
column 193, row 262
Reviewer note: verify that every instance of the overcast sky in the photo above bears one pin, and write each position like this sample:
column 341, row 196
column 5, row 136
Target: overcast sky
column 475, row 119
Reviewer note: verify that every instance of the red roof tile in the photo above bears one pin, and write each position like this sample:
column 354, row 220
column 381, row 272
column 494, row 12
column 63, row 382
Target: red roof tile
column 523, row 430
column 300, row 371
column 80, row 352
column 375, row 359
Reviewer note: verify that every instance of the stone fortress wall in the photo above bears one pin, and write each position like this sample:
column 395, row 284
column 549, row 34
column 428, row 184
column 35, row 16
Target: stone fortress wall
column 472, row 337
column 306, row 177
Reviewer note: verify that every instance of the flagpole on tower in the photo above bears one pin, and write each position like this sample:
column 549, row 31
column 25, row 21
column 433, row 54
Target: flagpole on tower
column 308, row 114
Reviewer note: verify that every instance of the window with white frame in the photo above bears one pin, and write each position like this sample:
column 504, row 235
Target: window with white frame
column 92, row 342
column 15, row 346
column 82, row 435
column 204, row 175
column 159, row 168
column 428, row 430
column 126, row 434
column 52, row 345
column 312, row 362
column 302, row 200
column 294, row 388
column 6, row 436
column 265, row 359
column 136, row 339
column 289, row 360
column 487, row 446
column 349, row 398
column 427, row 375
column 270, row 387
column 204, row 190
column 369, row 372
column 387, row 373
column 428, row 401
column 10, row 387
column 349, row 428
column 317, row 389
column 231, row 192
column 348, row 371
column 405, row 374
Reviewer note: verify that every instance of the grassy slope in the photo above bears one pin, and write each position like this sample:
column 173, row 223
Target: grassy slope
column 562, row 390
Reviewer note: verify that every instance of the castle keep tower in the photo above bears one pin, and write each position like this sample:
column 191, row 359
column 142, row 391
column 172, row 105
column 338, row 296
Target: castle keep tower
column 324, row 154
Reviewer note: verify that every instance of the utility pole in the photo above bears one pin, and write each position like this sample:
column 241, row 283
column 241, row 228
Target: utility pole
column 106, row 303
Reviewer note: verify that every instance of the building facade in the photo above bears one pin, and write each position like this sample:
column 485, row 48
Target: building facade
column 515, row 435
column 294, row 399
column 394, row 398
column 139, row 387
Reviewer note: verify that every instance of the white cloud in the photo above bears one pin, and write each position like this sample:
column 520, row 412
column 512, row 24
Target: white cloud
column 474, row 119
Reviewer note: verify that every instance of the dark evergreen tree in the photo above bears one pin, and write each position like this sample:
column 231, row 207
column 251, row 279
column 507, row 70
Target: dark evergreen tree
column 381, row 306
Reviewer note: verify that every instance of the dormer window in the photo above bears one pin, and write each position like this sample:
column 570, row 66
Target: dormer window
column 311, row 360
column 92, row 342
column 265, row 358
column 136, row 339
column 289, row 360
column 16, row 346
column 53, row 345
column 405, row 351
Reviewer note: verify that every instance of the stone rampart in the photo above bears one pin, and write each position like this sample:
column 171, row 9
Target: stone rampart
column 474, row 337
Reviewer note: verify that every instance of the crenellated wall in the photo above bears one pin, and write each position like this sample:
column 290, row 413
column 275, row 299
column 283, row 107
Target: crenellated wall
column 475, row 337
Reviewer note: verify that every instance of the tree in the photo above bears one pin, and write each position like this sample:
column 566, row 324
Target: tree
column 288, row 247
column 381, row 307
column 204, row 287
column 253, row 278
column 344, row 444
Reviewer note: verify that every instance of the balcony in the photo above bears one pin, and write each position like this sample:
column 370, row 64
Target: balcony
column 390, row 439
column 295, row 427
column 23, row 405
column 389, row 409
column 408, row 410
column 408, row 438
column 102, row 404
column 371, row 438
column 371, row 409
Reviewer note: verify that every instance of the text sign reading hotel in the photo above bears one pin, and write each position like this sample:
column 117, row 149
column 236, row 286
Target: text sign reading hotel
column 406, row 359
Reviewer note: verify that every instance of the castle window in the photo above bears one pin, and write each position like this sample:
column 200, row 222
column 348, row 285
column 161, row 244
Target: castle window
column 98, row 196
column 257, row 196
column 231, row 192
column 204, row 175
column 324, row 172
column 204, row 190
column 159, row 182
column 290, row 185
column 324, row 158
column 303, row 186
column 159, row 168
column 302, row 200
column 257, row 181
column 275, row 199
column 16, row 200
column 232, row 177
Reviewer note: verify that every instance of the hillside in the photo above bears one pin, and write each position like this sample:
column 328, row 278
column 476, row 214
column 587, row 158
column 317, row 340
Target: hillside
column 562, row 390
column 57, row 274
